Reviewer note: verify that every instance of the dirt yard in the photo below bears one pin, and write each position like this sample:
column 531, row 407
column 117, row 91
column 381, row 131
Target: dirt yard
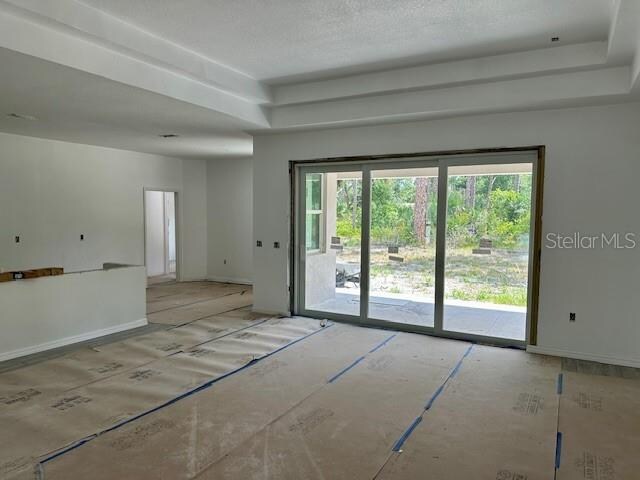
column 500, row 277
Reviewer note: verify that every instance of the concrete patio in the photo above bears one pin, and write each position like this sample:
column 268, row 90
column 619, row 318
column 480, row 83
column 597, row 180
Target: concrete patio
column 502, row 321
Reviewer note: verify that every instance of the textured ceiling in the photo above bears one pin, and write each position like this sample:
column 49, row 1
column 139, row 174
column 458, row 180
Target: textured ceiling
column 282, row 40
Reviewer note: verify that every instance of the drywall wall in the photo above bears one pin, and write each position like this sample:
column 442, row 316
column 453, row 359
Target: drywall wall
column 230, row 219
column 51, row 192
column 154, row 232
column 592, row 171
column 49, row 312
column 192, row 221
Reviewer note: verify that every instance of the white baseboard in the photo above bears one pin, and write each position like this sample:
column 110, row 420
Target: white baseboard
column 238, row 281
column 557, row 352
column 21, row 352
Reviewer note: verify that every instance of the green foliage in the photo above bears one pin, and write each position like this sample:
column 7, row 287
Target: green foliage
column 499, row 211
column 349, row 233
column 509, row 217
column 504, row 296
column 392, row 211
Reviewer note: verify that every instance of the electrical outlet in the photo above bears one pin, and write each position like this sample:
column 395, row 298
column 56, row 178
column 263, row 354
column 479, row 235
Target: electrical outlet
column 572, row 316
column 17, row 238
column 82, row 236
column 276, row 244
column 259, row 243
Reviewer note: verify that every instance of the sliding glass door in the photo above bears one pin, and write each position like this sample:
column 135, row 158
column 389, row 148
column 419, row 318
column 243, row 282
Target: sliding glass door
column 331, row 240
column 434, row 245
column 402, row 245
column 487, row 249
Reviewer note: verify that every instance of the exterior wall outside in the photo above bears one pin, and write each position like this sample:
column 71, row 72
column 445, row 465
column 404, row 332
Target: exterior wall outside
column 320, row 284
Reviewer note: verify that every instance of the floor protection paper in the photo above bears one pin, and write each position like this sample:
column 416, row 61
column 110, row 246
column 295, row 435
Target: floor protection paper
column 188, row 436
column 88, row 410
column 496, row 418
column 197, row 311
column 600, row 428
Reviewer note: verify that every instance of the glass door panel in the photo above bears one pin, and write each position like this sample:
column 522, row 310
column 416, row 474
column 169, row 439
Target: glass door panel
column 487, row 249
column 438, row 244
column 332, row 241
column 403, row 245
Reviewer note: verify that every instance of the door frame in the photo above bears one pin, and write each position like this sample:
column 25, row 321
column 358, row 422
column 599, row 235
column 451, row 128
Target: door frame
column 442, row 160
column 178, row 230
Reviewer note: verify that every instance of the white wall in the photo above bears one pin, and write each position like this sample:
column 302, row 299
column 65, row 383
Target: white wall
column 51, row 192
column 592, row 172
column 49, row 312
column 154, row 233
column 230, row 219
column 192, row 221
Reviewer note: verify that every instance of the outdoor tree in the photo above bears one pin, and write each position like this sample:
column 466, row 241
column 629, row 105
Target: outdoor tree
column 420, row 210
column 470, row 192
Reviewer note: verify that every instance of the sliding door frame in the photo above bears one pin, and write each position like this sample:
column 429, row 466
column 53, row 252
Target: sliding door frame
column 441, row 160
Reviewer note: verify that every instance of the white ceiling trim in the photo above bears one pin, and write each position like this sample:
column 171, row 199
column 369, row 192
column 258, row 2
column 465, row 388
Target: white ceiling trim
column 499, row 67
column 43, row 41
column 565, row 88
column 99, row 27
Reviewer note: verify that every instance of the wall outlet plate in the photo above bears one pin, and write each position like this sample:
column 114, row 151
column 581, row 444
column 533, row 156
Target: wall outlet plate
column 572, row 316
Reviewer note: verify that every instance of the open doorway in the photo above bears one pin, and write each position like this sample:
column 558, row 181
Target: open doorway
column 160, row 236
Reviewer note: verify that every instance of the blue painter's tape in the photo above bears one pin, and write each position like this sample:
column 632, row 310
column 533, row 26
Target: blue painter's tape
column 558, row 449
column 560, row 383
column 197, row 389
column 344, row 370
column 459, row 364
column 434, row 397
column 406, row 434
column 449, row 377
column 383, row 343
column 73, row 446
column 436, row 394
